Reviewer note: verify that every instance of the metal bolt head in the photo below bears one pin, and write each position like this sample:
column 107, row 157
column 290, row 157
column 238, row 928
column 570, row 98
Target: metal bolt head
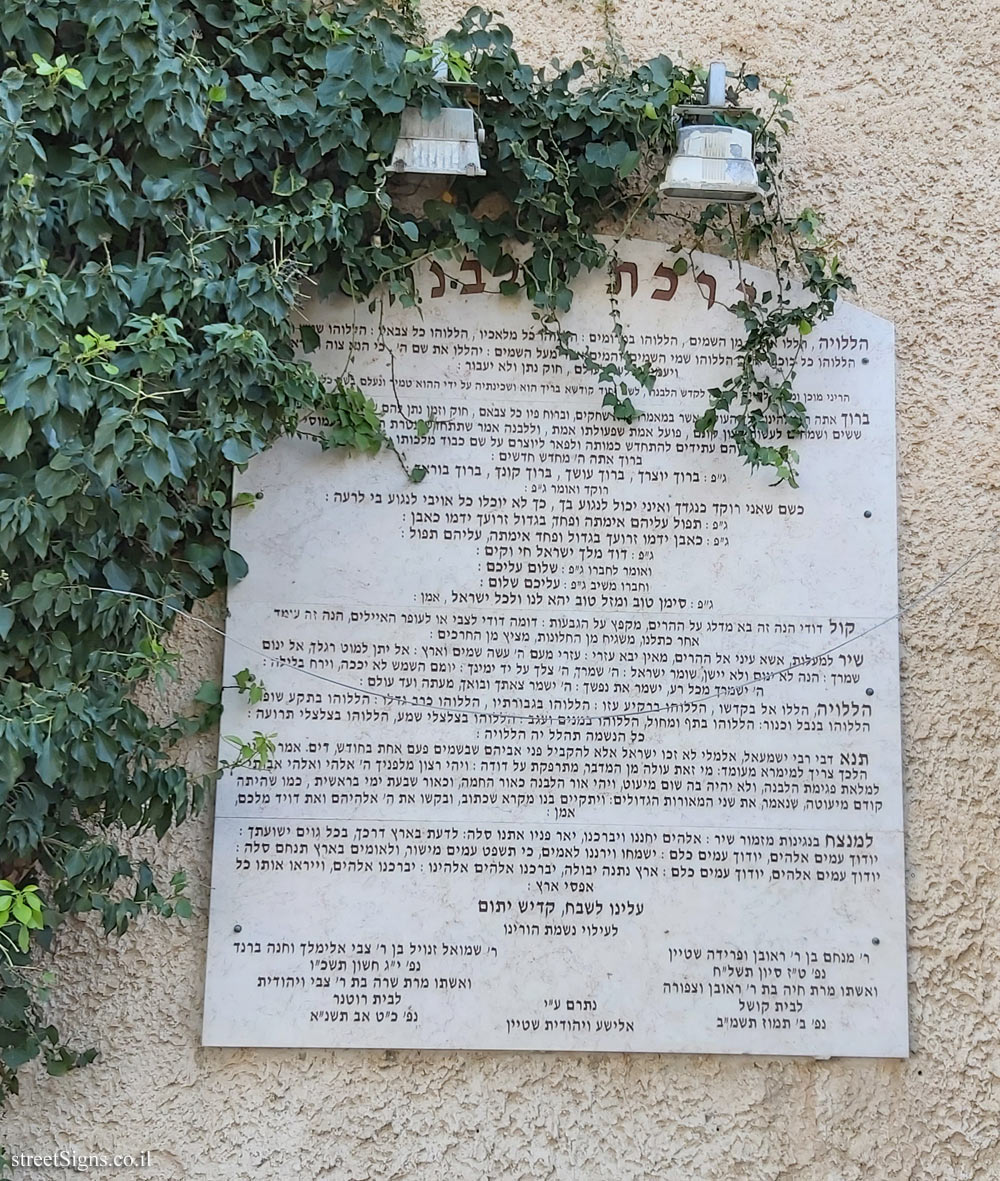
column 869, row 692
column 868, row 513
column 237, row 929
column 876, row 941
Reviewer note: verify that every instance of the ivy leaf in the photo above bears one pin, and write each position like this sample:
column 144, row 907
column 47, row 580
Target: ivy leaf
column 286, row 181
column 611, row 155
column 209, row 693
column 117, row 577
column 14, row 1003
column 661, row 70
column 236, row 451
column 15, row 431
column 104, row 436
column 629, row 163
column 54, row 485
column 236, row 567
column 49, row 763
column 181, row 455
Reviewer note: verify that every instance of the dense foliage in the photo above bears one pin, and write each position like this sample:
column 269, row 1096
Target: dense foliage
column 171, row 173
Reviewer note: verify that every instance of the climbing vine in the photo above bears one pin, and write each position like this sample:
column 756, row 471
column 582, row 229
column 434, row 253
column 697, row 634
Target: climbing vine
column 175, row 177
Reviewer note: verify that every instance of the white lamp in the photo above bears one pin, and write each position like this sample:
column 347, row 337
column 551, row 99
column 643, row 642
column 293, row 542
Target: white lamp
column 447, row 145
column 713, row 162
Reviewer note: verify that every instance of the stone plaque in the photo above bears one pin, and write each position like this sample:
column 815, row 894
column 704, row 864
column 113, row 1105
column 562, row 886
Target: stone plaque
column 590, row 740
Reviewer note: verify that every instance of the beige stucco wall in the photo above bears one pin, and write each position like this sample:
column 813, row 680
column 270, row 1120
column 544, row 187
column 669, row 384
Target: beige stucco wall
column 901, row 152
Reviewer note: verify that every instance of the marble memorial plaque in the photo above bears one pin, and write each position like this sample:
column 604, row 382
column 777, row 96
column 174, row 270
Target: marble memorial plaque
column 590, row 740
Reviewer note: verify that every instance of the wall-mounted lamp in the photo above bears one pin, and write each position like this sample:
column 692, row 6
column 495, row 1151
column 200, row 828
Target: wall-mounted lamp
column 445, row 145
column 713, row 162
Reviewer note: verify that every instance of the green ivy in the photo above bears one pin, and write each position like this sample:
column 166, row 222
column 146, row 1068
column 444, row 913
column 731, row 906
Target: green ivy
column 171, row 173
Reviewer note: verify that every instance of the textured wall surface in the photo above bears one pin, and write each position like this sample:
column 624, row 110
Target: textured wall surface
column 900, row 152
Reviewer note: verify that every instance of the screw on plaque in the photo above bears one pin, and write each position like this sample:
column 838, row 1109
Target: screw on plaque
column 237, row 929
column 876, row 941
column 869, row 692
column 868, row 512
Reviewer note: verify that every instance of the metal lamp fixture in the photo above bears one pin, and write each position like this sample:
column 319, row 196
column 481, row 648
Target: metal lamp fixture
column 713, row 162
column 446, row 145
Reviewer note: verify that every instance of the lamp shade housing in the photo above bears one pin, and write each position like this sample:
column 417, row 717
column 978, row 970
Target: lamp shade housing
column 713, row 162
column 445, row 145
